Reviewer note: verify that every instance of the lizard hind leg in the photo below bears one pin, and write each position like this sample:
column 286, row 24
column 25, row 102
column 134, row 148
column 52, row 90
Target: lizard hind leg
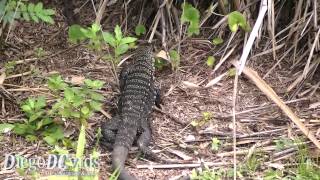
column 109, row 131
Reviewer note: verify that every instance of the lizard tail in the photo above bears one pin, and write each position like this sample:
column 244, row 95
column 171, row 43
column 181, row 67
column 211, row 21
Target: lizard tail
column 119, row 156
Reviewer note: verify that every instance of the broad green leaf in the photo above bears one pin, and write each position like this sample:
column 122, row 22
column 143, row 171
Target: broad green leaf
column 43, row 122
column 210, row 61
column 40, row 102
column 31, row 138
column 50, row 140
column 23, row 129
column 127, row 40
column 236, row 19
column 217, row 41
column 5, row 127
column 95, row 105
column 94, row 84
column 96, row 96
column 121, row 49
column 69, row 94
column 26, row 108
column 118, row 33
column 191, row 15
column 140, row 29
column 75, row 33
column 109, row 38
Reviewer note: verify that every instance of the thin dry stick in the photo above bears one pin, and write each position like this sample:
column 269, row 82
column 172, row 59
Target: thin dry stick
column 101, row 11
column 234, row 135
column 253, row 35
column 268, row 91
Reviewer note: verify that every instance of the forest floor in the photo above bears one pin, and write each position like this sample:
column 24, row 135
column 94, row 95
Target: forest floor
column 190, row 116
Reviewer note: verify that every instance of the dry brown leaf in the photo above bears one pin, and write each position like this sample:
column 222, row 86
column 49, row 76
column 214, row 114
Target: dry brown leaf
column 77, row 80
column 162, row 54
column 190, row 84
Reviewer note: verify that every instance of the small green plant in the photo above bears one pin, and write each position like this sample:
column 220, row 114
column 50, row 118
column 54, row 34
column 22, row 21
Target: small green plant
column 283, row 143
column 232, row 72
column 119, row 43
column 206, row 117
column 11, row 10
column 192, row 16
column 217, row 41
column 236, row 19
column 10, row 66
column 75, row 104
column 215, row 144
column 92, row 34
column 175, row 59
column 207, row 174
column 97, row 38
column 210, row 61
column 40, row 52
column 140, row 29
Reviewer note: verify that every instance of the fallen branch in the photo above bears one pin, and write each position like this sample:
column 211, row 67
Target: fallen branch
column 268, row 91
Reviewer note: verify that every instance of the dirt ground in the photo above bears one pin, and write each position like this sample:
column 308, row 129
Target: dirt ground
column 259, row 122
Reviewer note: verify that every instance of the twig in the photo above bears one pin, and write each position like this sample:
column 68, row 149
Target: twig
column 171, row 166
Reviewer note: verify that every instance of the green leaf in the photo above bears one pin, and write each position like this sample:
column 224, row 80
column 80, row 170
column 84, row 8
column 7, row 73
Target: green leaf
column 140, row 29
column 95, row 105
column 191, row 15
column 43, row 122
column 56, row 83
column 127, row 40
column 215, row 144
column 118, row 33
column 217, row 41
column 31, row 8
column 236, row 19
column 38, row 7
column 48, row 12
column 95, row 28
column 40, row 102
column 31, row 138
column 121, row 49
column 75, row 34
column 85, row 110
column 94, row 84
column 23, row 129
column 69, row 94
column 159, row 63
column 109, row 38
column 96, row 96
column 50, row 140
column 5, row 127
column 210, row 61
